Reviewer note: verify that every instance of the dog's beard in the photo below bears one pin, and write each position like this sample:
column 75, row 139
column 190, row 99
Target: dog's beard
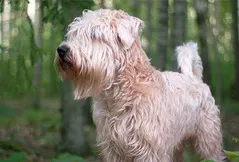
column 88, row 84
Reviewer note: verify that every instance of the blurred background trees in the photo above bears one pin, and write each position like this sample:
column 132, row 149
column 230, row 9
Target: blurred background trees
column 39, row 118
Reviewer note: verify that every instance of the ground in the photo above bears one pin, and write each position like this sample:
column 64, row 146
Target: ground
column 32, row 135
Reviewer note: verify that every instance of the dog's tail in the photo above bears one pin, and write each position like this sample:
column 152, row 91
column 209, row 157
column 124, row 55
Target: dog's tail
column 189, row 61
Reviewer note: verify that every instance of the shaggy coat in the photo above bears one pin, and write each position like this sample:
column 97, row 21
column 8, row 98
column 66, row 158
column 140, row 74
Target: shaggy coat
column 141, row 114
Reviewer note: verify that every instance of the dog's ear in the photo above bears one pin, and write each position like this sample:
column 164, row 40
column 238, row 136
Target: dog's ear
column 128, row 29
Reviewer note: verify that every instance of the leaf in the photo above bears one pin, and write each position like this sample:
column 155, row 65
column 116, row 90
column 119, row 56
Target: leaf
column 232, row 155
column 66, row 157
column 16, row 156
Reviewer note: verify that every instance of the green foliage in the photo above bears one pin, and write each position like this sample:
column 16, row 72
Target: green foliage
column 18, row 58
column 233, row 156
column 39, row 116
column 2, row 151
column 4, row 110
column 231, row 107
column 5, row 115
column 15, row 157
column 59, row 11
column 67, row 157
column 47, row 118
column 18, row 5
column 13, row 146
column 207, row 161
column 1, row 5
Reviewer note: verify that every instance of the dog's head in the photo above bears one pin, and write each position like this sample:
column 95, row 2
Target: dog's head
column 93, row 49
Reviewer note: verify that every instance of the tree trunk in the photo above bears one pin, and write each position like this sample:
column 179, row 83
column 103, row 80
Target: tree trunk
column 213, row 41
column 216, row 27
column 75, row 114
column 135, row 7
column 37, row 65
column 149, row 26
column 235, row 15
column 178, row 29
column 73, row 121
column 162, row 38
column 102, row 3
column 201, row 11
column 1, row 33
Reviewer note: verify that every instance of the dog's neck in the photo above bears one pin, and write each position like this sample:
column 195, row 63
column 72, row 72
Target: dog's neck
column 134, row 76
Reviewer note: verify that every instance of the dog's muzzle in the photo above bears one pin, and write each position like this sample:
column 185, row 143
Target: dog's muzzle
column 62, row 51
column 65, row 60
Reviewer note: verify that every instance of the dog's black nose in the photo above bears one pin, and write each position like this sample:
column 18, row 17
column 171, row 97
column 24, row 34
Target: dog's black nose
column 62, row 51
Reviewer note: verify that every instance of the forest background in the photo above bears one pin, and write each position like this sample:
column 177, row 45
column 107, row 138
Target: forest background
column 40, row 120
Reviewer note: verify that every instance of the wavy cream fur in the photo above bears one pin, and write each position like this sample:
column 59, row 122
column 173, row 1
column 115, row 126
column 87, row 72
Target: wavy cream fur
column 141, row 114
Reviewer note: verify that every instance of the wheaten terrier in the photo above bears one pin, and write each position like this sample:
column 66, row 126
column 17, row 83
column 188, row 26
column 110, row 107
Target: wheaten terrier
column 141, row 114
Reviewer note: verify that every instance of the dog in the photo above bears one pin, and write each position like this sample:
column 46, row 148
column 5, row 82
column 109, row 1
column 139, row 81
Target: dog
column 141, row 114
